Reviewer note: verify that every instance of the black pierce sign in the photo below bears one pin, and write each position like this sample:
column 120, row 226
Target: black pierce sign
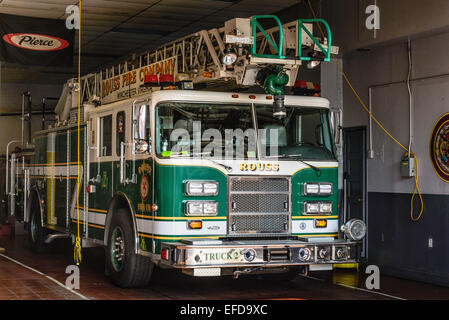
column 38, row 42
column 33, row 41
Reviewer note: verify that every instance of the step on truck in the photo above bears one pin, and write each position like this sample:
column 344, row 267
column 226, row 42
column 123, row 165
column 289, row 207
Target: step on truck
column 172, row 161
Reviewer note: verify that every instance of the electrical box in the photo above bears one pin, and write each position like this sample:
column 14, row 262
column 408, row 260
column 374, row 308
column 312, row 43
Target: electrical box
column 238, row 31
column 238, row 27
column 407, row 167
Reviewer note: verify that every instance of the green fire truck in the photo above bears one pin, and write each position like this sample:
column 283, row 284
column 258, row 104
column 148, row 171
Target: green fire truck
column 210, row 182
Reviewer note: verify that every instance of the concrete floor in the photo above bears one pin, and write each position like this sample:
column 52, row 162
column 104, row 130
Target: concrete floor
column 26, row 275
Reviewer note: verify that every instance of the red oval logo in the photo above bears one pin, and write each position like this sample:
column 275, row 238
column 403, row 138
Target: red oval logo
column 37, row 42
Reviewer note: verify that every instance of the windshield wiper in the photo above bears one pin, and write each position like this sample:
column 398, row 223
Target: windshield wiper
column 220, row 164
column 317, row 170
column 228, row 168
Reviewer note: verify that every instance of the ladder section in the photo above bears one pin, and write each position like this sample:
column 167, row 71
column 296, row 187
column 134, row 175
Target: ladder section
column 237, row 53
column 318, row 49
column 268, row 38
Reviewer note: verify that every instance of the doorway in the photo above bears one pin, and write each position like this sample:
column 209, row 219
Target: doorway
column 355, row 177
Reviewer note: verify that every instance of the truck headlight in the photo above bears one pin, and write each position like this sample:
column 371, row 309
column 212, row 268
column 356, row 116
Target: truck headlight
column 201, row 208
column 210, row 208
column 312, row 207
column 326, row 207
column 312, row 189
column 210, row 188
column 194, row 208
column 318, row 208
column 354, row 229
column 201, row 188
column 325, row 189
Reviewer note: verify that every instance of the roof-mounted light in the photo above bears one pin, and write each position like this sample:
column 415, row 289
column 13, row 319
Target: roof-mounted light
column 229, row 58
column 166, row 80
column 151, row 80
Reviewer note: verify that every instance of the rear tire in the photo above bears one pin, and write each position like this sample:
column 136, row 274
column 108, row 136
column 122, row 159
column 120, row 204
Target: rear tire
column 125, row 268
column 36, row 233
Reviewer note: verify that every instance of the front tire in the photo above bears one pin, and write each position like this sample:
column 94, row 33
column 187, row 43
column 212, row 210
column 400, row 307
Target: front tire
column 125, row 268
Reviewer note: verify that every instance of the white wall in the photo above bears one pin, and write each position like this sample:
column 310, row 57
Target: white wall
column 390, row 106
column 398, row 19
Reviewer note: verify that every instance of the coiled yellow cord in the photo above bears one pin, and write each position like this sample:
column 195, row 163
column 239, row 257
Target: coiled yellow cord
column 414, row 192
column 77, row 251
column 416, row 162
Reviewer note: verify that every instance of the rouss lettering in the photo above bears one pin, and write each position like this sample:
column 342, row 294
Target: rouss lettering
column 259, row 167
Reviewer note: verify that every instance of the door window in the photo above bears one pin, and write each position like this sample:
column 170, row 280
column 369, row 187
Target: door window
column 106, row 136
column 120, row 130
column 141, row 128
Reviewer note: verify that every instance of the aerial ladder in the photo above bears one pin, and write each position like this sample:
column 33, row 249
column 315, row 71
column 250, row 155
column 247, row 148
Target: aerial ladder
column 242, row 53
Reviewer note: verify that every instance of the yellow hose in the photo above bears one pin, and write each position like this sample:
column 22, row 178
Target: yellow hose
column 77, row 249
column 416, row 189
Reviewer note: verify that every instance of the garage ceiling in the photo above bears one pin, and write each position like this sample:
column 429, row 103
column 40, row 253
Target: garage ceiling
column 112, row 29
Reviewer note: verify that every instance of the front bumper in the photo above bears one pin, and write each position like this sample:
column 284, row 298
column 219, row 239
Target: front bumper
column 236, row 253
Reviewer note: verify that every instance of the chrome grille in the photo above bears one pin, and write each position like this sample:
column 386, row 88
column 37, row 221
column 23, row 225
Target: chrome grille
column 260, row 185
column 259, row 206
column 259, row 202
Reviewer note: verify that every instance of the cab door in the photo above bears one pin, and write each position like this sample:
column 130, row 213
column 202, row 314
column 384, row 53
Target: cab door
column 101, row 159
column 135, row 178
column 133, row 149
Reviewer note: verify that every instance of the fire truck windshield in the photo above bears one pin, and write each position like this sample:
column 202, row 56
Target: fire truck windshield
column 303, row 134
column 228, row 131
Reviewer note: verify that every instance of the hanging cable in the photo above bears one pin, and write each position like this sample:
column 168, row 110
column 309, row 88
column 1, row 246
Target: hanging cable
column 77, row 249
column 409, row 51
column 409, row 152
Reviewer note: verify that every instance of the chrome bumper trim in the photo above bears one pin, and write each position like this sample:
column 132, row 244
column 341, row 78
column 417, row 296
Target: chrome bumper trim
column 258, row 253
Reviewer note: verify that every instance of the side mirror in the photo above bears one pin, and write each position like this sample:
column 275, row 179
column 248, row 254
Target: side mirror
column 335, row 119
column 140, row 131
